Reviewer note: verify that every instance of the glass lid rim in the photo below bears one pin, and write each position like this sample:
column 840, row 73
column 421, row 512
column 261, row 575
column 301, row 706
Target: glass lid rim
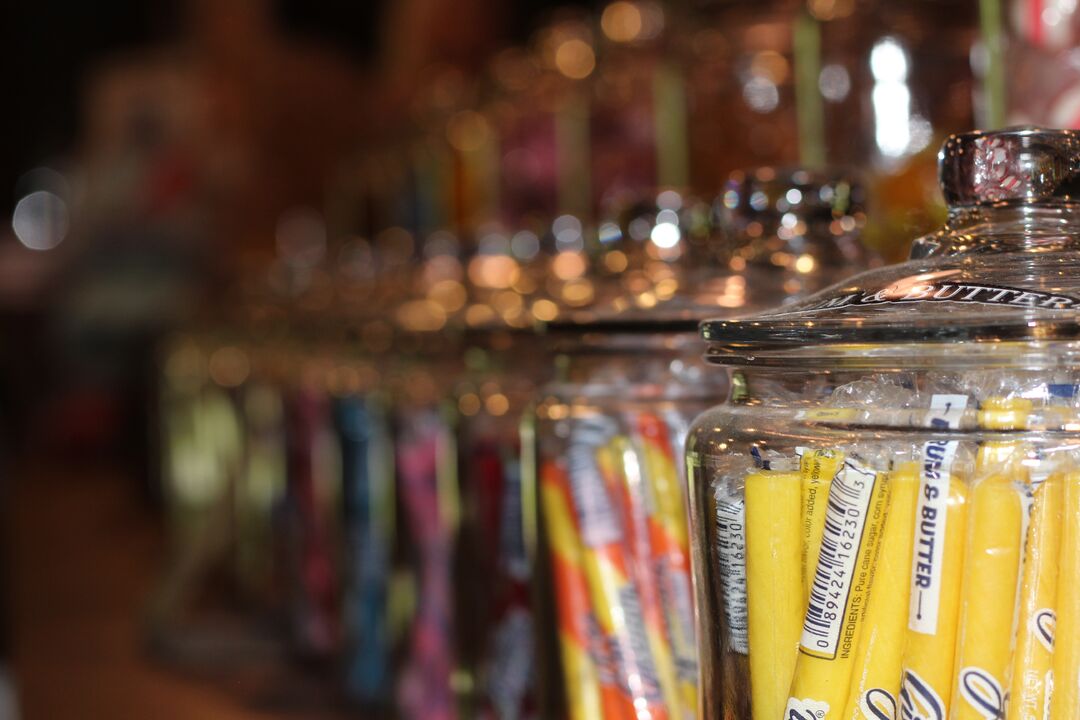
column 744, row 335
column 659, row 326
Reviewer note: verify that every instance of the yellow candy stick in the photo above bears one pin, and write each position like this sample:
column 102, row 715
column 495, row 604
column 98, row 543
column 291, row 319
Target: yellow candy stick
column 937, row 570
column 939, row 538
column 1001, row 414
column 1033, row 659
column 993, row 556
column 988, row 597
column 1065, row 703
column 827, row 414
column 834, row 618
column 818, row 468
column 773, row 587
column 875, row 682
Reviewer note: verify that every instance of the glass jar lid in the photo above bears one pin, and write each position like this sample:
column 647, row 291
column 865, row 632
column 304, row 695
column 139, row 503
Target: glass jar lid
column 1006, row 266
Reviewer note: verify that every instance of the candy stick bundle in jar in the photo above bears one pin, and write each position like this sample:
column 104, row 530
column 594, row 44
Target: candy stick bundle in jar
column 611, row 426
column 426, row 490
column 884, row 516
column 368, row 518
column 497, row 644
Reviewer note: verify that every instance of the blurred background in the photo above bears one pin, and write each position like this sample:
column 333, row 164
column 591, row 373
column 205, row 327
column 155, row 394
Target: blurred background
column 187, row 168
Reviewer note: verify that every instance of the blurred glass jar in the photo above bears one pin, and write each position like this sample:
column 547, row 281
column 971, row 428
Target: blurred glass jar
column 422, row 366
column 793, row 231
column 494, row 613
column 1043, row 69
column 611, row 426
column 638, row 112
column 885, row 516
column 539, row 113
column 874, row 73
column 741, row 88
column 866, row 84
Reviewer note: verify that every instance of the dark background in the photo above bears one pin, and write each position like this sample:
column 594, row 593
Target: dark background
column 47, row 47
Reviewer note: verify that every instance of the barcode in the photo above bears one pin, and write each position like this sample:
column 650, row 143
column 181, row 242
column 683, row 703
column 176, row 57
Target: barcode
column 849, row 501
column 731, row 543
column 595, row 511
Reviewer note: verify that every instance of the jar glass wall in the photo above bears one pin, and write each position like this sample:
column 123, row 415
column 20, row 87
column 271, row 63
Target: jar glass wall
column 610, row 482
column 849, row 525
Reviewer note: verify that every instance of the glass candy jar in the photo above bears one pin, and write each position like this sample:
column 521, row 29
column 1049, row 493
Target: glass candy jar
column 885, row 516
column 611, row 428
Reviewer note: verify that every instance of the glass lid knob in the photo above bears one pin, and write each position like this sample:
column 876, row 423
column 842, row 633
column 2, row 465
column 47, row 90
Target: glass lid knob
column 1013, row 166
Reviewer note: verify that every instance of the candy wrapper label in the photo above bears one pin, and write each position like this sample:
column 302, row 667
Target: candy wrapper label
column 931, row 515
column 826, row 616
column 598, row 518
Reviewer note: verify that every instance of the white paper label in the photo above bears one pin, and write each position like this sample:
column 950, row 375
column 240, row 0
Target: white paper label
column 845, row 519
column 931, row 515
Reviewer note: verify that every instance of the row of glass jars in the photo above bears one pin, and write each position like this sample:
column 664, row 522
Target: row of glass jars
column 411, row 538
column 882, row 515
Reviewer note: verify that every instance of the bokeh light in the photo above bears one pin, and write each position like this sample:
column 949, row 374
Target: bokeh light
column 575, row 59
column 621, row 21
column 834, row 82
column 41, row 220
column 568, row 265
column 468, row 130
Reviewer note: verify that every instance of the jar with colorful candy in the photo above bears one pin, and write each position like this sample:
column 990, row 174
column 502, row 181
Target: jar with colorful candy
column 611, row 426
